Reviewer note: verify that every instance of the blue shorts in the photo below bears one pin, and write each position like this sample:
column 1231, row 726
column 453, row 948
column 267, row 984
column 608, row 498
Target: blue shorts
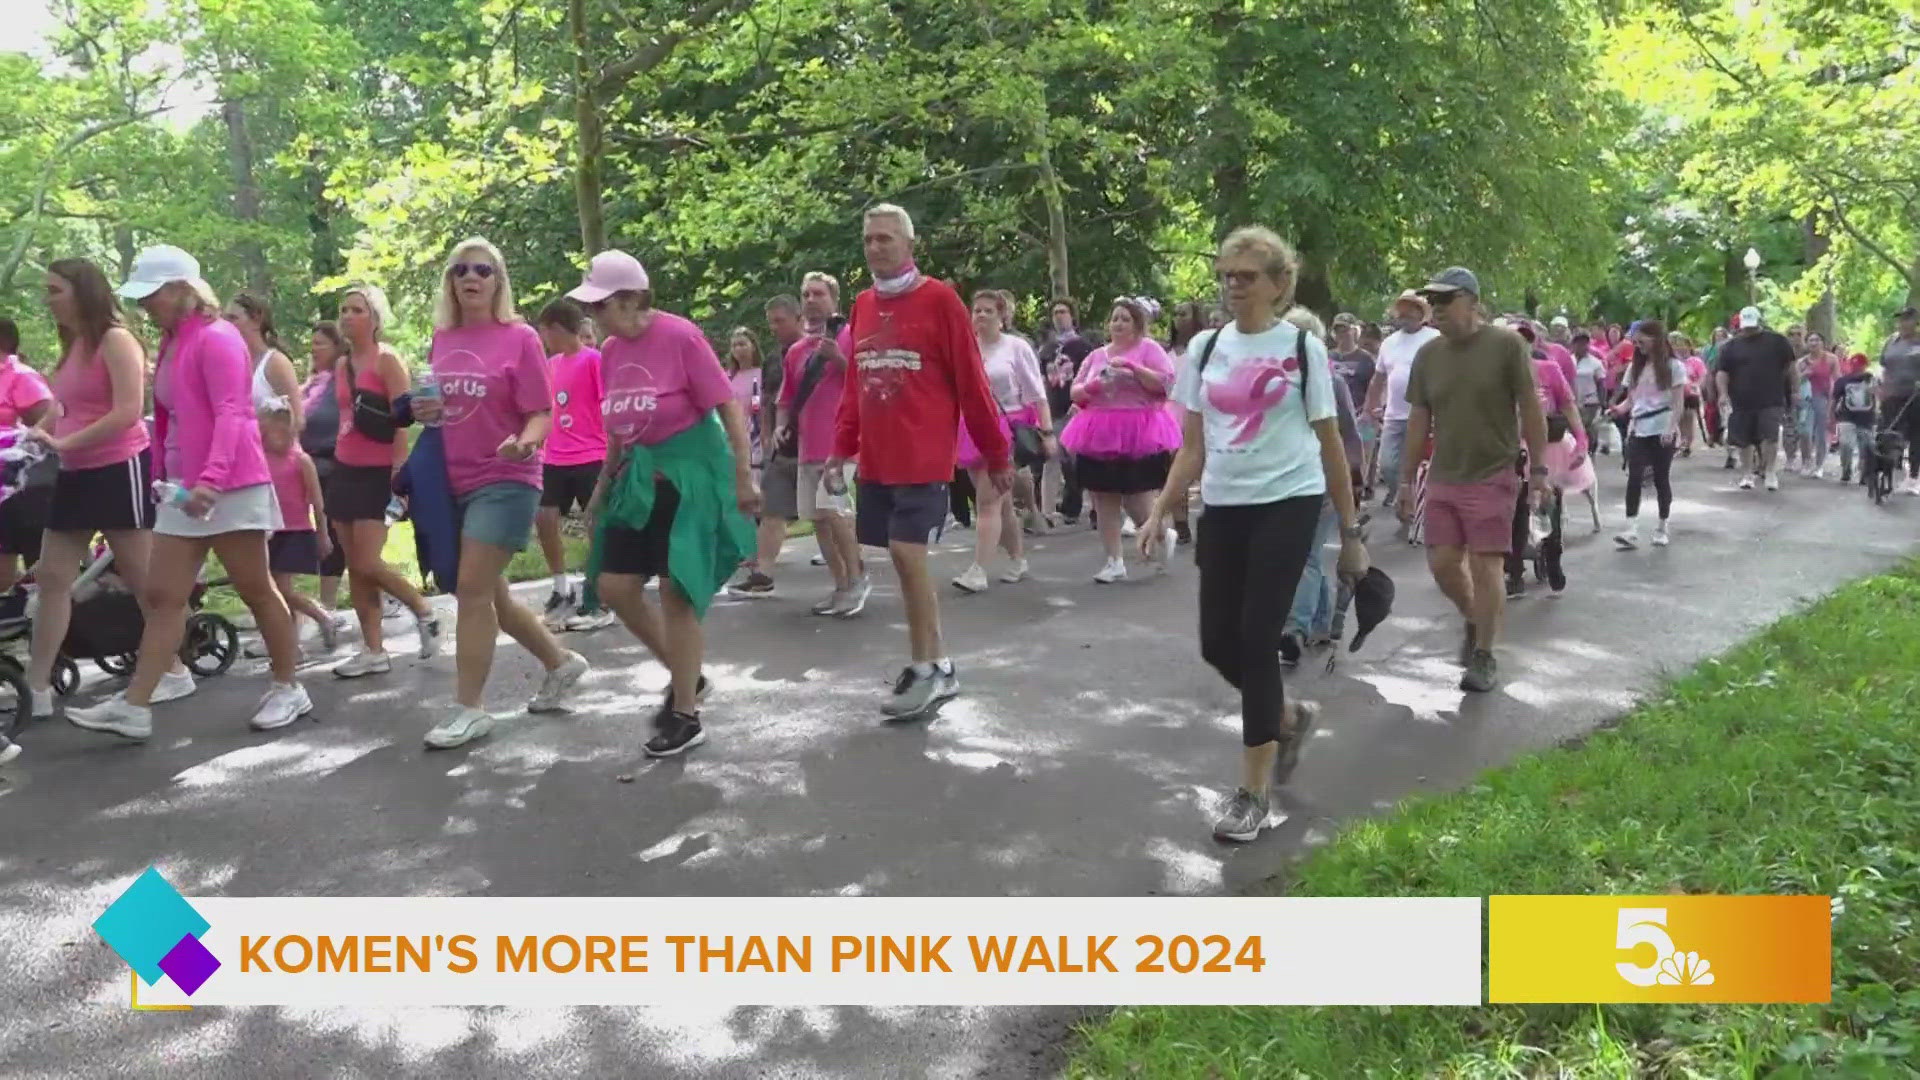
column 500, row 514
column 886, row 514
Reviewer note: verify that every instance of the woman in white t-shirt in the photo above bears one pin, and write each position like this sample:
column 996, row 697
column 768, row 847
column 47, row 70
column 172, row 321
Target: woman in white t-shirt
column 1656, row 384
column 1261, row 436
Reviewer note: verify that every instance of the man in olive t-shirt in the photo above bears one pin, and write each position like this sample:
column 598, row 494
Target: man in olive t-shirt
column 1472, row 388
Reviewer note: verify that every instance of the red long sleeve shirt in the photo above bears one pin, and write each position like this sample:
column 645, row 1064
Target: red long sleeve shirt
column 916, row 375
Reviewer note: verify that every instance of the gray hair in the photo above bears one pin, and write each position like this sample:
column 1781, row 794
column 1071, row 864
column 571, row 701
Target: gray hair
column 895, row 212
column 1306, row 320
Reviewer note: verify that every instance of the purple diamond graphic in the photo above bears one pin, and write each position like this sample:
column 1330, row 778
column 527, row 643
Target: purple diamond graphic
column 189, row 964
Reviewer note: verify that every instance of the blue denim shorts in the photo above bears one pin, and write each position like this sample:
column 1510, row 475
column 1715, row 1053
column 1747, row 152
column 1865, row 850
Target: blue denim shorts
column 500, row 514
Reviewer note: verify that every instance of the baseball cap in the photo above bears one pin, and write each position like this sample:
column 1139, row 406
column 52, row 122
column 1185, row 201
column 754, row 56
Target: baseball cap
column 610, row 272
column 1412, row 296
column 1346, row 318
column 1372, row 603
column 1454, row 279
column 1749, row 318
column 1560, row 323
column 154, row 267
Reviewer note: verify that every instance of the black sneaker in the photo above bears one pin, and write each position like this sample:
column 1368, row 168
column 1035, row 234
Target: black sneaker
column 1290, row 648
column 1729, row 464
column 1183, row 532
column 1846, row 477
column 556, row 600
column 1516, row 586
column 700, row 694
column 1550, row 555
column 679, row 733
column 1479, row 677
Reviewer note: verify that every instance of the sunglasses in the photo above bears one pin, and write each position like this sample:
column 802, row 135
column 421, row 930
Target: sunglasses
column 483, row 271
column 1241, row 278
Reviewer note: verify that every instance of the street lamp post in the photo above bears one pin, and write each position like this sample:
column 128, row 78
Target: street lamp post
column 1753, row 267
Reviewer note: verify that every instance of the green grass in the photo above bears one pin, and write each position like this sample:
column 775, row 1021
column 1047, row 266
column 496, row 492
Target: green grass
column 1791, row 765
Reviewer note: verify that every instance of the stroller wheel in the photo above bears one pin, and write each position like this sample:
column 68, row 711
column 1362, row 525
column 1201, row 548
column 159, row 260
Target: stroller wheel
column 211, row 645
column 16, row 703
column 66, row 676
column 121, row 664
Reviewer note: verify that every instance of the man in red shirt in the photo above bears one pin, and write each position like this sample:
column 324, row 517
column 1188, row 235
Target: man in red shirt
column 916, row 376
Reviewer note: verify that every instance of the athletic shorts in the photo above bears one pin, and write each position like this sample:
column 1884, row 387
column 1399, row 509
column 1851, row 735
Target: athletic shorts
column 564, row 487
column 110, row 498
column 295, row 553
column 359, row 492
column 779, row 488
column 814, row 499
column 643, row 551
column 500, row 514
column 1753, row 427
column 23, row 522
column 1477, row 515
column 900, row 513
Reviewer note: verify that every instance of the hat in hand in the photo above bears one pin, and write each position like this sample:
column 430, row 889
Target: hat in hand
column 1372, row 603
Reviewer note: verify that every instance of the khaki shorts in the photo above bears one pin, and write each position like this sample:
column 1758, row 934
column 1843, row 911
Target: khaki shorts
column 814, row 498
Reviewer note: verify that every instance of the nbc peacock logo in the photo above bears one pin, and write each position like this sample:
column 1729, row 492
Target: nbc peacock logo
column 1638, row 929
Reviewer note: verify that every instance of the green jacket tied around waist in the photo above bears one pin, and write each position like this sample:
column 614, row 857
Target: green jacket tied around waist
column 709, row 537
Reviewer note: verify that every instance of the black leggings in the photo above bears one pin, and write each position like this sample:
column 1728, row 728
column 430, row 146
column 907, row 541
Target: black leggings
column 1650, row 452
column 1250, row 560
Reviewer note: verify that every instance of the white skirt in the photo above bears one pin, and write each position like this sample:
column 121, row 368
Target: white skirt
column 247, row 509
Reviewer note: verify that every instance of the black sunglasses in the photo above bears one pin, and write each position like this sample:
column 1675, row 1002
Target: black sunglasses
column 479, row 270
column 1242, row 278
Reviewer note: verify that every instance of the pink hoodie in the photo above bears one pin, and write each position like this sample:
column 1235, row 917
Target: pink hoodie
column 203, row 414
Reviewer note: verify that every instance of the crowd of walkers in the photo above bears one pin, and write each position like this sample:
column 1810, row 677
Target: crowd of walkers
column 884, row 427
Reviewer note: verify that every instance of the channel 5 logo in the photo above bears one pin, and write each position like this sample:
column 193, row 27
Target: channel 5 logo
column 157, row 932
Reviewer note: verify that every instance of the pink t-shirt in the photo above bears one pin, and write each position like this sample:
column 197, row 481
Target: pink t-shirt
column 21, row 388
column 290, row 487
column 492, row 377
column 85, row 390
column 746, row 390
column 1562, row 356
column 578, row 437
column 660, row 383
column 1556, row 393
column 1124, row 390
column 1821, row 373
column 823, row 403
column 1696, row 373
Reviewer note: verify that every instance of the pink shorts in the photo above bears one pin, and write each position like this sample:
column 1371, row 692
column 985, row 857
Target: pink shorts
column 1477, row 516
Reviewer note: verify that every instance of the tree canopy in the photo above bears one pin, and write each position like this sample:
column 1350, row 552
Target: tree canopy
column 1612, row 158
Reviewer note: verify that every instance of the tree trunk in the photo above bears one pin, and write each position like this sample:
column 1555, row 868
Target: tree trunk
column 324, row 251
column 123, row 249
column 586, row 171
column 1057, row 277
column 246, row 197
column 1820, row 317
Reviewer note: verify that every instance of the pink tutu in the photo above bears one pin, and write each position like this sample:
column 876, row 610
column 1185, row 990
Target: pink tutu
column 1121, row 433
column 1561, row 472
column 969, row 455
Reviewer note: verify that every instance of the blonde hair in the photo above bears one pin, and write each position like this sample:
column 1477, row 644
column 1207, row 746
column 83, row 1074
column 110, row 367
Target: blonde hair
column 1277, row 256
column 376, row 300
column 446, row 306
column 1307, row 321
column 832, row 283
column 887, row 209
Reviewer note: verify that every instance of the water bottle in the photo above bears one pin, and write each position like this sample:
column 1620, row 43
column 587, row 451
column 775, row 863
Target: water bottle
column 168, row 493
column 396, row 510
column 426, row 386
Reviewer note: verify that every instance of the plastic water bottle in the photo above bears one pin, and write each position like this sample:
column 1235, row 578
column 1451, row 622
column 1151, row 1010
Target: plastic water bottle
column 396, row 509
column 426, row 386
column 168, row 493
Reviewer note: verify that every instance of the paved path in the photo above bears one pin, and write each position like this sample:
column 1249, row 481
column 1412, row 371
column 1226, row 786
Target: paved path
column 1084, row 759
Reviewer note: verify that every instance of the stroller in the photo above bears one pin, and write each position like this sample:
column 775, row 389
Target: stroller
column 106, row 627
column 1886, row 451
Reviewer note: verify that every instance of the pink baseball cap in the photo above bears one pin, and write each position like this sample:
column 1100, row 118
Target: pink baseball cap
column 610, row 272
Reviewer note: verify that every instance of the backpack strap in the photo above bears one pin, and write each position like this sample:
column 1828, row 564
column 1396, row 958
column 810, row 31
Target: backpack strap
column 1206, row 351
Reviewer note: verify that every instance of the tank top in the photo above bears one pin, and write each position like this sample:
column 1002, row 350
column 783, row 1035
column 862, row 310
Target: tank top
column 353, row 448
column 290, row 487
column 263, row 391
column 84, row 389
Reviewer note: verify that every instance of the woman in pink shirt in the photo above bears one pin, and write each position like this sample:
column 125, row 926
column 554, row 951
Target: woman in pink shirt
column 359, row 487
column 575, row 451
column 25, row 400
column 102, row 486
column 1013, row 374
column 494, row 408
column 1122, row 437
column 743, row 363
column 210, row 452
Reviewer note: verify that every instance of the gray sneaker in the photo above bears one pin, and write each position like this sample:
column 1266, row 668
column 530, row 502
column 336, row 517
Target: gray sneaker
column 1245, row 816
column 831, row 603
column 913, row 692
column 1480, row 673
column 1305, row 715
column 557, row 684
column 855, row 598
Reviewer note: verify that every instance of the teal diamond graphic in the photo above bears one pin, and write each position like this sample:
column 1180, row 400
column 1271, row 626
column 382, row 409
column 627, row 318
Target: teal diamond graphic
column 147, row 922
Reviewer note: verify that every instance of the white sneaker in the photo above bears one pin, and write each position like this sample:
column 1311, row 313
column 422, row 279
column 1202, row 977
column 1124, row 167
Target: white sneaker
column 42, row 704
column 329, row 634
column 1115, row 570
column 1164, row 555
column 1773, row 480
column 173, row 686
column 429, row 629
column 459, row 729
column 8, row 750
column 283, row 704
column 363, row 664
column 590, row 620
column 391, row 608
column 1627, row 540
column 1015, row 573
column 973, row 581
column 1913, row 487
column 1127, row 527
column 1746, row 482
column 115, row 716
column 557, row 684
column 1660, row 538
